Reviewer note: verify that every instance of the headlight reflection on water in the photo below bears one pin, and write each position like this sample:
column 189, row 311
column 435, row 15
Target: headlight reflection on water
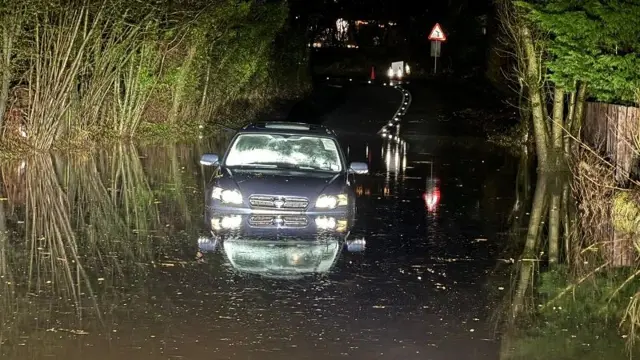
column 226, row 222
column 357, row 245
column 206, row 244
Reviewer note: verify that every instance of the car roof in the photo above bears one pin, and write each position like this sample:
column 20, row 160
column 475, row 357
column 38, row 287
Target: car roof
column 282, row 127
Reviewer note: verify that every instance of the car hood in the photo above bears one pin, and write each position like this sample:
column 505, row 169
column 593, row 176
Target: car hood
column 291, row 183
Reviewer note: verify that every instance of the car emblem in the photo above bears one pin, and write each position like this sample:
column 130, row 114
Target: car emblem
column 278, row 203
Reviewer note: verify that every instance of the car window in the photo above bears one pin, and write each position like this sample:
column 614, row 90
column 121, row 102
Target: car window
column 285, row 151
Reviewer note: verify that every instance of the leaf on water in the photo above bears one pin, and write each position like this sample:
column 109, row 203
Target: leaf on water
column 79, row 332
column 72, row 331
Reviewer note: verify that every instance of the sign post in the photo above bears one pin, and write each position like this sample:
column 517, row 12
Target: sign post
column 437, row 37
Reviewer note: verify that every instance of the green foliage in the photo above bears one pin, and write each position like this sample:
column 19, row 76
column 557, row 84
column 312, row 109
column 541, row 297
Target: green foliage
column 581, row 324
column 626, row 213
column 594, row 41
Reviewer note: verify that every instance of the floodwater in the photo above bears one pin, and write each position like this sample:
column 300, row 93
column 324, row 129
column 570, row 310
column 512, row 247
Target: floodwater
column 100, row 259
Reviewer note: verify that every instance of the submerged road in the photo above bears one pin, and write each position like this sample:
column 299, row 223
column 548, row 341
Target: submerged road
column 422, row 285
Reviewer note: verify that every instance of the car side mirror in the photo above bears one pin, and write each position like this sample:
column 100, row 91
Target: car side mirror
column 209, row 160
column 359, row 168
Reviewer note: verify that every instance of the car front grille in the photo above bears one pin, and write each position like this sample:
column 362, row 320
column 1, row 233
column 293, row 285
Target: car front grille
column 278, row 202
column 278, row 221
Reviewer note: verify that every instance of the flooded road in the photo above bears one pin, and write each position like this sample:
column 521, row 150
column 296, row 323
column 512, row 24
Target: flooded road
column 106, row 256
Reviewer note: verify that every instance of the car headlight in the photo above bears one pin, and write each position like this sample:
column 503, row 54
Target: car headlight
column 331, row 201
column 227, row 196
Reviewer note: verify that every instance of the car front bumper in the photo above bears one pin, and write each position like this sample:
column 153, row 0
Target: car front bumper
column 241, row 210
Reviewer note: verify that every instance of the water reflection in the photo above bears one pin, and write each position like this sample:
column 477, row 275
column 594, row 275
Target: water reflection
column 77, row 231
column 279, row 245
column 274, row 258
column 107, row 256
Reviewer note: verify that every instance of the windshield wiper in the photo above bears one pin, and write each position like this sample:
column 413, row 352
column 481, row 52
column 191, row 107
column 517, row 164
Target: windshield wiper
column 282, row 165
column 271, row 166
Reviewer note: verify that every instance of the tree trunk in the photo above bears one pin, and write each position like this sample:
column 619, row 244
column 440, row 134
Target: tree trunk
column 5, row 66
column 536, row 99
column 566, row 218
column 528, row 258
column 554, row 220
column 571, row 109
column 179, row 90
column 558, row 129
column 205, row 94
column 579, row 111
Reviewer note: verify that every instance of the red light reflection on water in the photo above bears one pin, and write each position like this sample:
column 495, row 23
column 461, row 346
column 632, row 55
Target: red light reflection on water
column 432, row 199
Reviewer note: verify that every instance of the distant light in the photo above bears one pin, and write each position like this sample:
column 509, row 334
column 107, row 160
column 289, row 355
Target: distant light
column 350, row 79
column 342, row 26
column 369, row 81
column 390, row 72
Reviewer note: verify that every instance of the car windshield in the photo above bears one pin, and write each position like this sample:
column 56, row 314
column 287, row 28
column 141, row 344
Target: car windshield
column 284, row 151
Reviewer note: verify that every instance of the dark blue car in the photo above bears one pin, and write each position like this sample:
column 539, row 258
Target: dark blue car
column 282, row 170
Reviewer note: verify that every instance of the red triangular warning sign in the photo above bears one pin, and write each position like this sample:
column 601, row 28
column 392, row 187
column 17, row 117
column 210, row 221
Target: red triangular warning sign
column 437, row 34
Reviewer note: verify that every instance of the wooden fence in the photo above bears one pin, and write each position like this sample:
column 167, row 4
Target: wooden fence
column 612, row 130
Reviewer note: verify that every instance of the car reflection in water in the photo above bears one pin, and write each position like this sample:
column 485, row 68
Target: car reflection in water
column 280, row 245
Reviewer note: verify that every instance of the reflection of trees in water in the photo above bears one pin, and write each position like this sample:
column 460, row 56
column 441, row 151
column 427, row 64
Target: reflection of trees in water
column 87, row 224
column 46, row 265
column 566, row 300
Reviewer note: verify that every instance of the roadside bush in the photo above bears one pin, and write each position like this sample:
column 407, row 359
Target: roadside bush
column 76, row 71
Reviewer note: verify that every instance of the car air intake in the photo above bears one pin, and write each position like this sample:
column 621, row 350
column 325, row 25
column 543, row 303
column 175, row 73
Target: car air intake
column 278, row 221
